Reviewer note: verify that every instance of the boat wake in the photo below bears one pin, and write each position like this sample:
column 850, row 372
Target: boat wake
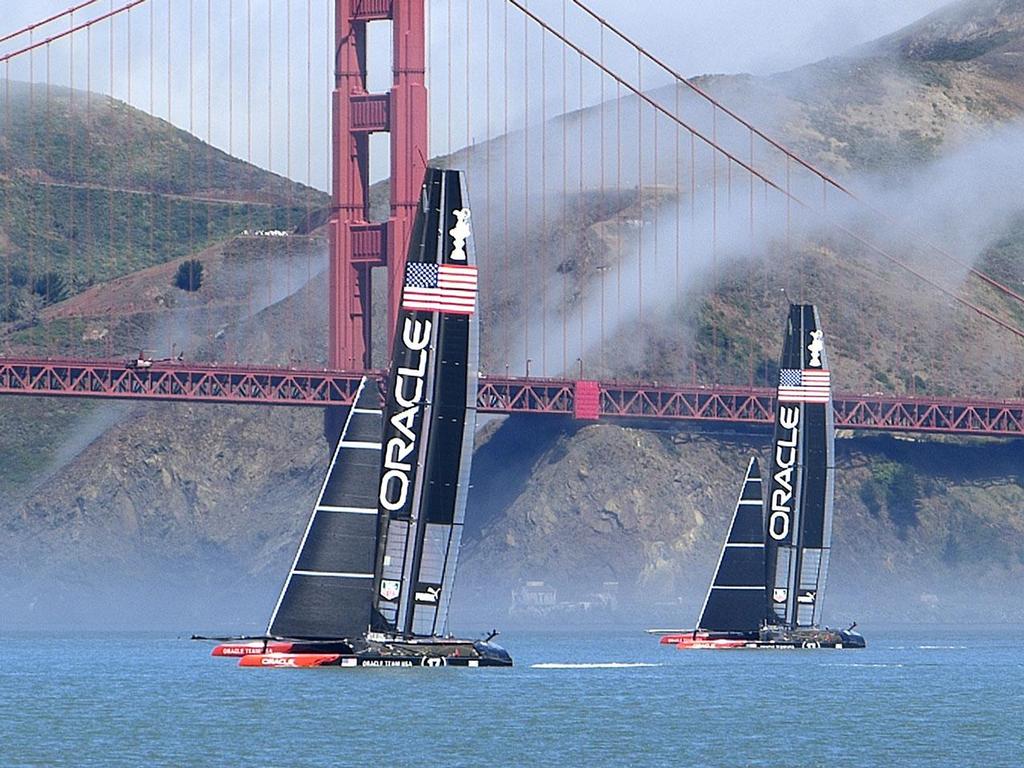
column 595, row 665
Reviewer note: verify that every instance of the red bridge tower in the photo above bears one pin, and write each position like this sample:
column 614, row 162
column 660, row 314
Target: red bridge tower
column 356, row 243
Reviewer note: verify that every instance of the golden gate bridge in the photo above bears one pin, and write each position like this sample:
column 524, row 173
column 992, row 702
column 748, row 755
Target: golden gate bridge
column 579, row 109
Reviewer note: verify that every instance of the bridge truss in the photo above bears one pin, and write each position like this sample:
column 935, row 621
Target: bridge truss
column 639, row 403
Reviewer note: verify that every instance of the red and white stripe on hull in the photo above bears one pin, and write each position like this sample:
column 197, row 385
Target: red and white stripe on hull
column 701, row 640
column 290, row 660
column 250, row 648
column 704, row 643
column 674, row 638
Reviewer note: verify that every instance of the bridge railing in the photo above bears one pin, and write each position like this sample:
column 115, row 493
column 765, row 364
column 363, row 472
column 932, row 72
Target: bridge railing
column 172, row 380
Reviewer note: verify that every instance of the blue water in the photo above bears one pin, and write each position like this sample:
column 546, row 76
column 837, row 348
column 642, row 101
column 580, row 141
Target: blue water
column 913, row 698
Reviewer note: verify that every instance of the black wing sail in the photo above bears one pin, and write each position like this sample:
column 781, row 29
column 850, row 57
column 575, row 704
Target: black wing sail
column 735, row 599
column 329, row 589
column 799, row 505
column 430, row 416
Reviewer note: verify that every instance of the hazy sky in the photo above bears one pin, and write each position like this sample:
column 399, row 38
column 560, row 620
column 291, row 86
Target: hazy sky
column 697, row 36
column 757, row 36
column 694, row 36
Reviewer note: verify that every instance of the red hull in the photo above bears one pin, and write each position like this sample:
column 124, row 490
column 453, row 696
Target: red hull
column 702, row 641
column 254, row 647
column 289, row 660
column 720, row 643
column 798, row 638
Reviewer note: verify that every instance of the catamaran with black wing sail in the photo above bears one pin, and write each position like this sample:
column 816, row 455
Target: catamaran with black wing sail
column 768, row 588
column 372, row 581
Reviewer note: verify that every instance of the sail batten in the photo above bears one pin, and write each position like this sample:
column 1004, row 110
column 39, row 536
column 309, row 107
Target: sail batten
column 735, row 599
column 329, row 589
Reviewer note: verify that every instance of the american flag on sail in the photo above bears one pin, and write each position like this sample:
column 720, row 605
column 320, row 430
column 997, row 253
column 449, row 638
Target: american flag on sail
column 804, row 386
column 440, row 288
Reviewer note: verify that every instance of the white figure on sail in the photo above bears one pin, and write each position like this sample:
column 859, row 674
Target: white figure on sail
column 459, row 234
column 815, row 347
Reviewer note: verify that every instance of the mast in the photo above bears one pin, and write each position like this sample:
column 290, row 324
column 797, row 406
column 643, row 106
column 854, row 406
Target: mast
column 798, row 506
column 430, row 416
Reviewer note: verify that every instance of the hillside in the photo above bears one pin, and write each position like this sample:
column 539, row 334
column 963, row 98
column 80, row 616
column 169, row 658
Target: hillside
column 932, row 142
column 93, row 189
column 924, row 530
column 186, row 516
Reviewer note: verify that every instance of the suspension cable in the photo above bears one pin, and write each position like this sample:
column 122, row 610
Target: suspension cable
column 826, row 178
column 56, row 17
column 788, row 194
column 71, row 30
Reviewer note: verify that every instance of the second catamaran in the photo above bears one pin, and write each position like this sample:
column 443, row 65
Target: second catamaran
column 372, row 581
column 768, row 587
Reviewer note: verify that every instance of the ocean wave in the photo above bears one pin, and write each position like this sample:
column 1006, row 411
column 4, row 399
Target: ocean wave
column 594, row 665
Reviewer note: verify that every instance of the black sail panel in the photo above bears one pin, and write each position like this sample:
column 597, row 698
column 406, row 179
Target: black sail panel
column 406, row 424
column 800, row 490
column 450, row 449
column 329, row 589
column 421, row 536
column 735, row 600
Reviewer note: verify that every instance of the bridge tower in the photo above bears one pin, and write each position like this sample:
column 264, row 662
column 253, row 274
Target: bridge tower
column 356, row 243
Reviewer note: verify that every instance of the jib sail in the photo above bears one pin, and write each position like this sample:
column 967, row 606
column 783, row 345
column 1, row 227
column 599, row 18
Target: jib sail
column 735, row 600
column 430, row 416
column 798, row 507
column 329, row 589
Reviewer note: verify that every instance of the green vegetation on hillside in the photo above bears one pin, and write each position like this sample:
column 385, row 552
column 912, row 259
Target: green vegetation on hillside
column 92, row 189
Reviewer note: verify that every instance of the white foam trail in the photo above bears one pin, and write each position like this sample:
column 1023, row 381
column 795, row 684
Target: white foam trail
column 942, row 647
column 595, row 665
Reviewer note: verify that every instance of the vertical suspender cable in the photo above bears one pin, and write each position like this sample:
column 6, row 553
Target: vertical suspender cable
column 170, row 204
column 620, row 228
column 579, row 197
column 604, row 150
column 679, row 201
column 8, row 313
column 789, row 252
column 640, row 205
column 308, row 228
column 111, row 196
column 290, row 334
column 450, row 71
column 656, row 200
column 715, row 359
column 150, row 191
column 266, row 276
column 48, row 218
column 74, row 280
column 250, row 168
column 489, row 277
column 565, row 196
column 128, row 195
column 542, row 276
column 506, row 184
column 33, row 153
column 525, row 232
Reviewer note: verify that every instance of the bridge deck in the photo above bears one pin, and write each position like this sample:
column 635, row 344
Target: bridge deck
column 285, row 386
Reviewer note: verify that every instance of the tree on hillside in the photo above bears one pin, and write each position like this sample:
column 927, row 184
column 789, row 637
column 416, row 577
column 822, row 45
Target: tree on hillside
column 51, row 287
column 190, row 275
